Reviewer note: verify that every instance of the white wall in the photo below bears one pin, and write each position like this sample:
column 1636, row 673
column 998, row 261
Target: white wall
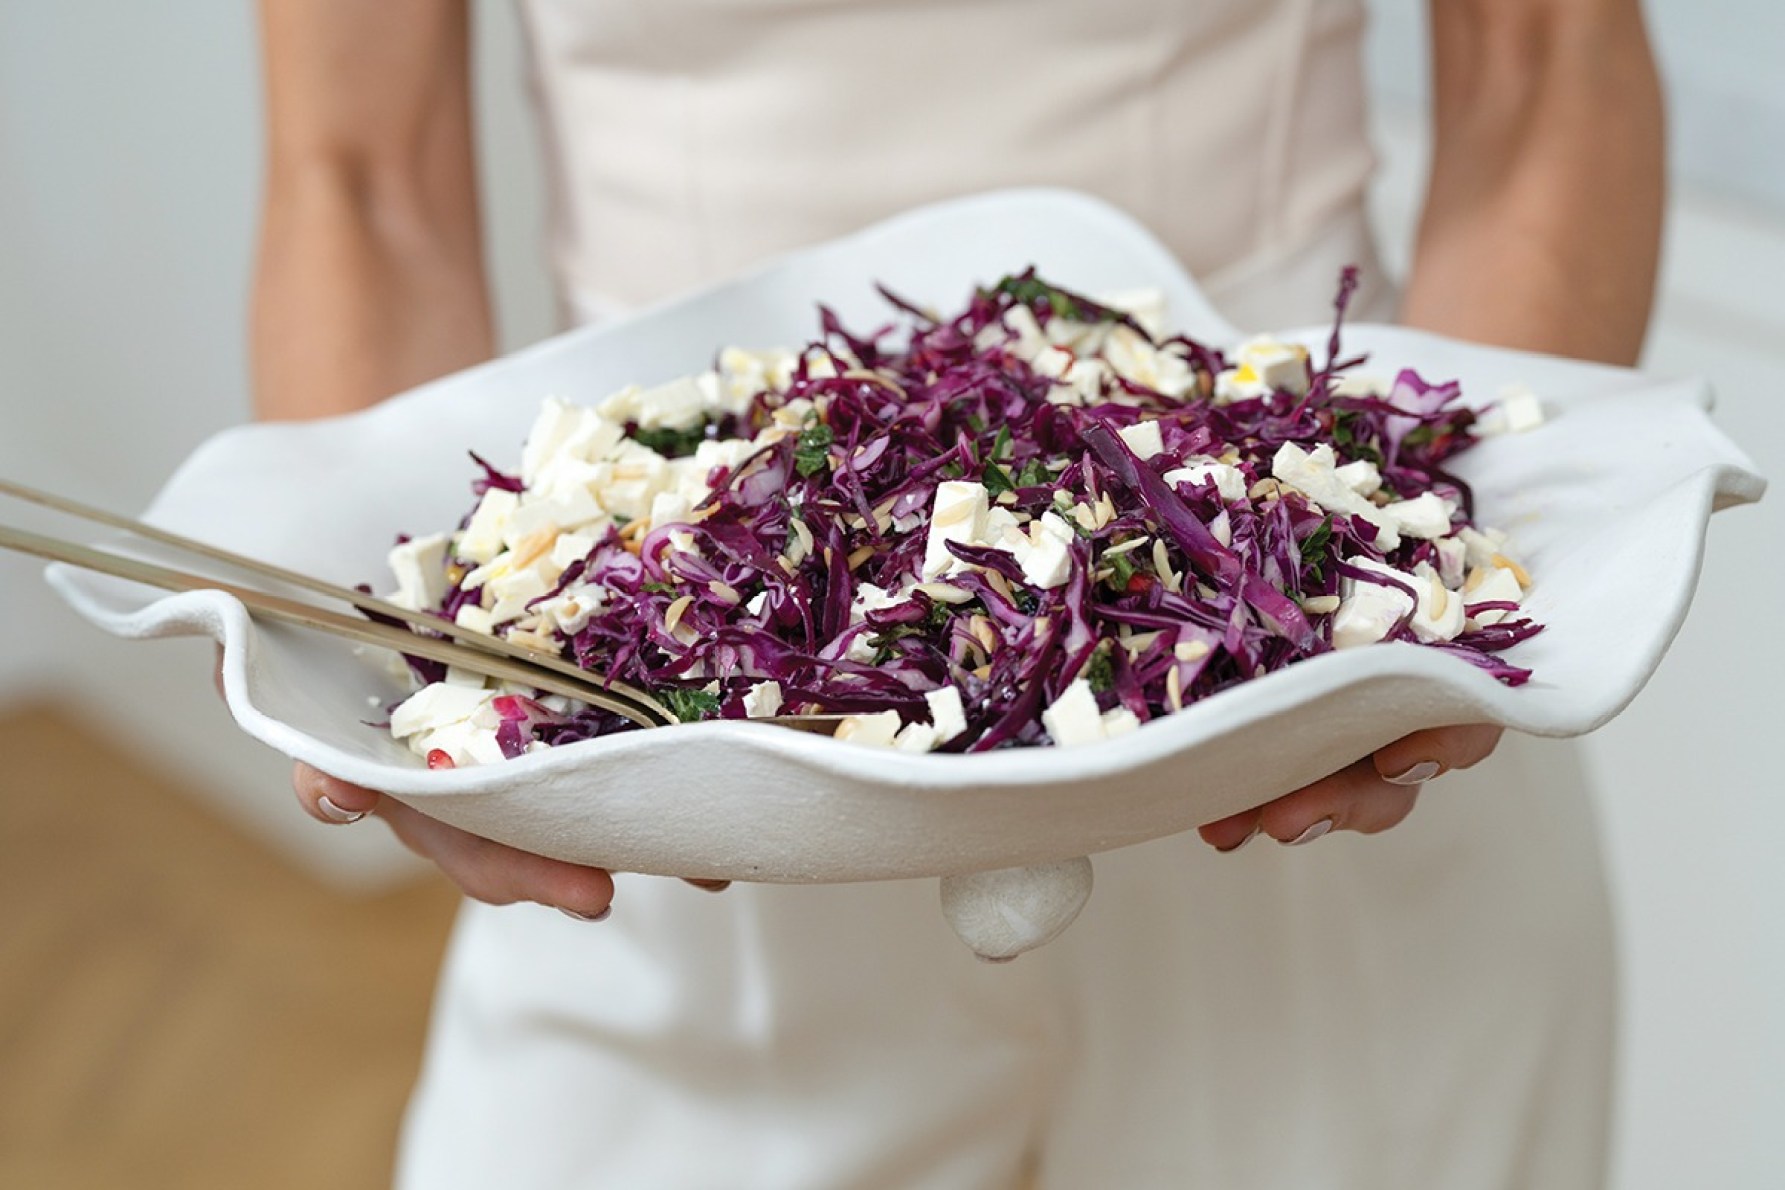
column 128, row 151
column 129, row 159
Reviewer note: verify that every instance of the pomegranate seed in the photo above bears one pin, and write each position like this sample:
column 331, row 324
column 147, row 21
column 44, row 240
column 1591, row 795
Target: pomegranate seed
column 440, row 758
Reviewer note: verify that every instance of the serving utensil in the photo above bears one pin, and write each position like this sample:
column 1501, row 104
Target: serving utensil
column 425, row 635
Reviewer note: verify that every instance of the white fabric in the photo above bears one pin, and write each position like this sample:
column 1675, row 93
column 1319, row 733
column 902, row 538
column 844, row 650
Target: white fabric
column 1428, row 1008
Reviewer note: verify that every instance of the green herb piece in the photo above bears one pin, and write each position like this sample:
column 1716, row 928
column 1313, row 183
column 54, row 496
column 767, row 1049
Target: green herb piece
column 1032, row 290
column 659, row 588
column 689, row 705
column 1100, row 670
column 1034, row 474
column 672, row 444
column 996, row 479
column 1001, row 445
column 812, row 455
column 1314, row 547
column 1121, row 569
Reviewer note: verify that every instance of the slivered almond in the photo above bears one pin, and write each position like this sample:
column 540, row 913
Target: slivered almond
column 673, row 614
column 725, row 591
column 1190, row 650
column 1518, row 572
column 984, row 632
column 860, row 555
column 529, row 548
column 1174, row 688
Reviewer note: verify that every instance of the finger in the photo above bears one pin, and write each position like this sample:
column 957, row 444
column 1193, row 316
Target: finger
column 714, row 886
column 1425, row 755
column 1355, row 798
column 329, row 799
column 1231, row 833
column 496, row 873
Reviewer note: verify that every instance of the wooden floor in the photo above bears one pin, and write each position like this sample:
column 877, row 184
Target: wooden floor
column 177, row 1007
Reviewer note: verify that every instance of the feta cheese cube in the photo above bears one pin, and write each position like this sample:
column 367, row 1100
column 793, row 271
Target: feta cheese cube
column 1229, row 481
column 436, row 705
column 1494, row 585
column 1426, row 516
column 947, row 714
column 915, row 737
column 1439, row 615
column 1046, row 554
column 958, row 515
column 678, row 405
column 1368, row 611
column 1146, row 306
column 878, row 730
column 1517, row 411
column 475, row 619
column 763, row 700
column 1361, row 476
column 1315, row 475
column 1074, row 717
column 482, row 539
column 420, row 569
column 1143, row 438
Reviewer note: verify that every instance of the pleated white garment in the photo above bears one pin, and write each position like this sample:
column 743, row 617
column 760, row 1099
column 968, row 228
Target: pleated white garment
column 1430, row 1008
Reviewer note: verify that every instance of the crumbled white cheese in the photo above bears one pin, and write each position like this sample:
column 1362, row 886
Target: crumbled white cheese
column 1229, row 480
column 420, row 568
column 1143, row 438
column 957, row 515
column 1517, row 411
column 877, row 730
column 1426, row 516
column 1314, row 474
column 1264, row 366
column 1361, row 476
column 763, row 700
column 947, row 714
column 482, row 539
column 915, row 737
column 678, row 405
column 1367, row 611
column 436, row 705
column 1494, row 584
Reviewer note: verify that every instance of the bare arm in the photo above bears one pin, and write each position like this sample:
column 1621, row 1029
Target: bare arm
column 370, row 272
column 370, row 279
column 1542, row 222
column 1541, row 230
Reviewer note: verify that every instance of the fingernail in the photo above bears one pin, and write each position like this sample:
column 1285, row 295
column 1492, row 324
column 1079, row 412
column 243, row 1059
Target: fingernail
column 602, row 916
column 713, row 886
column 996, row 958
column 1257, row 827
column 1312, row 833
column 1417, row 774
column 335, row 813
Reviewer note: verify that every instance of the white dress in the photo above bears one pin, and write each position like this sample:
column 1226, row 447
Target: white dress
column 1429, row 1008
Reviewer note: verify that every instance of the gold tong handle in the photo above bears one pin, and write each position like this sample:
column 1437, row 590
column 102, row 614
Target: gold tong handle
column 367, row 603
column 303, row 615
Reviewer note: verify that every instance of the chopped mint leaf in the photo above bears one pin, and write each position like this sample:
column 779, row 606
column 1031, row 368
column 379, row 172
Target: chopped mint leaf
column 672, row 444
column 687, row 705
column 812, row 455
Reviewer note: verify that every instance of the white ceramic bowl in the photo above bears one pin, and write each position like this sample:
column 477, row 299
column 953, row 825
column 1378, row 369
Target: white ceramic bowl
column 1608, row 504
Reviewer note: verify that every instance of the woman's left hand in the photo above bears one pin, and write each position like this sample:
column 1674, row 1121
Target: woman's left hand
column 1369, row 796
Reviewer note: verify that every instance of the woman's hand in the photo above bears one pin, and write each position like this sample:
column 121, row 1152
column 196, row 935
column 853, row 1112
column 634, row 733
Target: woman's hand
column 484, row 870
column 1369, row 796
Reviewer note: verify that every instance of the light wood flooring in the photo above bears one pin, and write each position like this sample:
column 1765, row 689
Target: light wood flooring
column 177, row 1007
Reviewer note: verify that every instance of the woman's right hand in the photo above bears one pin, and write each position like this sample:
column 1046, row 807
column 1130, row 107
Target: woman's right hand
column 485, row 870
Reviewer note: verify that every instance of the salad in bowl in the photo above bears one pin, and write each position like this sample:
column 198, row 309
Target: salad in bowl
column 1044, row 519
